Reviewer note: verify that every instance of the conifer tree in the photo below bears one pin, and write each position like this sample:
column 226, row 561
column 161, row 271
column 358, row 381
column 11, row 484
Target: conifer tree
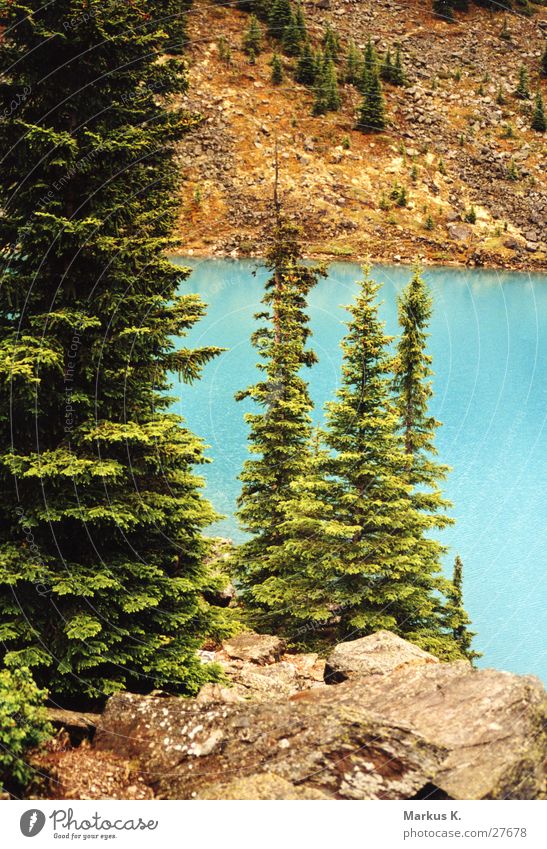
column 371, row 115
column 522, row 90
column 331, row 43
column 327, row 97
column 455, row 617
column 538, row 118
column 385, row 576
column 252, row 39
column 292, row 39
column 353, row 67
column 277, row 70
column 102, row 575
column 444, row 9
column 386, row 68
column 370, row 64
column 280, row 429
column 305, row 69
column 301, row 23
column 279, row 17
column 171, row 15
column 398, row 74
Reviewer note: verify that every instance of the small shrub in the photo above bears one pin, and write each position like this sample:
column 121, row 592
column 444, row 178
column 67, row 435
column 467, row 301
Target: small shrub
column 429, row 224
column 512, row 172
column 346, row 144
column 470, row 215
column 23, row 724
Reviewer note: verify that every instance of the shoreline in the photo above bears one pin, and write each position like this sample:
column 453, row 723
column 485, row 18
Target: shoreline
column 358, row 259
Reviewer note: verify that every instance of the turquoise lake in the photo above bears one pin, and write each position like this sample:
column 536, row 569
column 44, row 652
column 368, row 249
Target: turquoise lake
column 489, row 346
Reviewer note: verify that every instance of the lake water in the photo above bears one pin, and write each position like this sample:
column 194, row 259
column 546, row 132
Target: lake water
column 489, row 347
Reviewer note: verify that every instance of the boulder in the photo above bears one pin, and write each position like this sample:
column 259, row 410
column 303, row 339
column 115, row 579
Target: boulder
column 265, row 786
column 460, row 232
column 340, row 749
column 421, row 729
column 491, row 723
column 79, row 725
column 377, row 654
column 254, row 648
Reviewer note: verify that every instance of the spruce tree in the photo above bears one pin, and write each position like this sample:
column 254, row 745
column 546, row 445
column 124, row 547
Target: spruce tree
column 371, row 115
column 252, row 39
column 522, row 90
column 353, row 67
column 538, row 118
column 456, row 619
column 301, row 22
column 384, row 576
column 292, row 39
column 327, row 97
column 280, row 427
column 397, row 73
column 444, row 9
column 386, row 68
column 170, row 16
column 370, row 64
column 305, row 69
column 102, row 575
column 331, row 43
column 277, row 70
column 279, row 17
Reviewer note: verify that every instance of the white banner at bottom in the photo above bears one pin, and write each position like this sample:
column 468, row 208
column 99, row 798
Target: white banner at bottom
column 283, row 825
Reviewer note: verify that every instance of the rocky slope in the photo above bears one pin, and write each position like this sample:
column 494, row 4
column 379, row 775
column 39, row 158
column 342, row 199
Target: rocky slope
column 450, row 143
column 401, row 725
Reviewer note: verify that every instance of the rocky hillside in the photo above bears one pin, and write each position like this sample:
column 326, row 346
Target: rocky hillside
column 381, row 719
column 450, row 142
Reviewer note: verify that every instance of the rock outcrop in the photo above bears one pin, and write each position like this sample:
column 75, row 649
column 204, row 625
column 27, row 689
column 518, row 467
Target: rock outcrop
column 401, row 725
column 374, row 655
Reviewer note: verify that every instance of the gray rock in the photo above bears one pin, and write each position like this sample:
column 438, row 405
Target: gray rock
column 341, row 750
column 264, row 786
column 445, row 728
column 374, row 655
column 256, row 648
column 460, row 232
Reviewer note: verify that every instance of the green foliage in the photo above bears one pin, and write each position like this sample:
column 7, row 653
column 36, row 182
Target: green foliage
column 224, row 51
column 353, row 66
column 277, row 70
column 391, row 69
column 505, row 32
column 23, row 725
column 522, row 90
column 331, row 43
column 306, row 69
column 455, row 618
column 279, row 17
column 399, row 195
column 171, row 16
column 371, row 115
column 444, row 9
column 102, row 575
column 327, row 98
column 470, row 215
column 512, row 172
column 538, row 117
column 500, row 97
column 252, row 39
column 429, row 223
column 280, row 424
column 292, row 38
